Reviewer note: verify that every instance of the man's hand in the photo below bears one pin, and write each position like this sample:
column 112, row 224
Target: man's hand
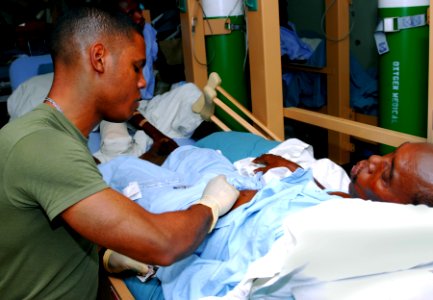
column 273, row 161
column 219, row 196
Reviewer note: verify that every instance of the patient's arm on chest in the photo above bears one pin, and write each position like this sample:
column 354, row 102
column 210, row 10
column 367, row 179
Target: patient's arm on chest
column 162, row 145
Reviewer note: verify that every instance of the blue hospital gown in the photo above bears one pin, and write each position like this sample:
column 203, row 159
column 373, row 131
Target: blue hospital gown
column 239, row 237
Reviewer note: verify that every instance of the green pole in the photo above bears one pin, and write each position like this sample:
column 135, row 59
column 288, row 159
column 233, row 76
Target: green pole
column 226, row 55
column 403, row 72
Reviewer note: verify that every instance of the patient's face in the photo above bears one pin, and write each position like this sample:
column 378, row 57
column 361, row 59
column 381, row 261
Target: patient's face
column 394, row 177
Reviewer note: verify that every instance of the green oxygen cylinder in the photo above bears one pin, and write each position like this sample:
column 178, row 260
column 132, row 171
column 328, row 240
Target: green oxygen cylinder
column 403, row 67
column 226, row 54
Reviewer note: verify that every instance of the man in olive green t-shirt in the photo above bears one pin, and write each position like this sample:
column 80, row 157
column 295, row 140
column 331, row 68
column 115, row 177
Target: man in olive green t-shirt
column 54, row 206
column 39, row 186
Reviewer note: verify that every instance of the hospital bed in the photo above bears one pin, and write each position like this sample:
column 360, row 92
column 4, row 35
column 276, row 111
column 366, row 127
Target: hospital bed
column 340, row 120
column 308, row 261
column 416, row 227
column 363, row 131
column 418, row 278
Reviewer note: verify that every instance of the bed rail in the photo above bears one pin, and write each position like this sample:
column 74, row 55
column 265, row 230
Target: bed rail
column 352, row 128
column 205, row 106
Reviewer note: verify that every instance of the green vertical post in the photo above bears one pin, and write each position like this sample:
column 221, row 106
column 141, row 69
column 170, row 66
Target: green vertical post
column 226, row 55
column 403, row 71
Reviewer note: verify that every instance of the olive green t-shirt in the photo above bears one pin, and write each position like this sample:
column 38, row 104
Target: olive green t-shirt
column 45, row 167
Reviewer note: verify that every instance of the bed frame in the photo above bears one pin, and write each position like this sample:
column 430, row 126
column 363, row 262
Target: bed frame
column 266, row 82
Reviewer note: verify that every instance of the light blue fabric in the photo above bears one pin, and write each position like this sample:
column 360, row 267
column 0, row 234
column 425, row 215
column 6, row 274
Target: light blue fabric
column 25, row 67
column 179, row 182
column 239, row 238
column 151, row 290
column 149, row 34
column 94, row 141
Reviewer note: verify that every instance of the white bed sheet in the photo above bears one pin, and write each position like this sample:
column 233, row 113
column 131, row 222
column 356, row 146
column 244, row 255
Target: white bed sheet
column 347, row 249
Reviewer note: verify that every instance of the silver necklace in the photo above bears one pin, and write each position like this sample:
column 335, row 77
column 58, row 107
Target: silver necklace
column 54, row 103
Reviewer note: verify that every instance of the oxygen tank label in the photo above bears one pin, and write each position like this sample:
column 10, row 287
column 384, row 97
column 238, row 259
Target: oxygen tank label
column 395, row 98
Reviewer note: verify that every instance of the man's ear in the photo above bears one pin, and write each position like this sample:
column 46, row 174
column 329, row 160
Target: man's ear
column 97, row 57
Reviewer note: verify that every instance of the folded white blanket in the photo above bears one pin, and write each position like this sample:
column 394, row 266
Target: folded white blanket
column 331, row 248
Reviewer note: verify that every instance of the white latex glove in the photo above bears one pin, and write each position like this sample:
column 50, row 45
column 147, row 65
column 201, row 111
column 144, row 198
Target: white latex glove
column 220, row 196
column 115, row 263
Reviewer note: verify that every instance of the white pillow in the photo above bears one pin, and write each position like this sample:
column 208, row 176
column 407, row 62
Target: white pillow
column 28, row 95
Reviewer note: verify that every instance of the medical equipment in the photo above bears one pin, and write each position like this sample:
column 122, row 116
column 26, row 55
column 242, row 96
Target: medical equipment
column 266, row 88
column 403, row 67
column 226, row 49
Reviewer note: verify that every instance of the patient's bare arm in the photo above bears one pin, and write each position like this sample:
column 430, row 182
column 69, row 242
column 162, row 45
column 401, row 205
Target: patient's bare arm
column 273, row 161
column 162, row 144
column 270, row 161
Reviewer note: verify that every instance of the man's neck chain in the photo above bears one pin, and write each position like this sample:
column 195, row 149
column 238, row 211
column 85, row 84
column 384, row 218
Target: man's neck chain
column 54, row 103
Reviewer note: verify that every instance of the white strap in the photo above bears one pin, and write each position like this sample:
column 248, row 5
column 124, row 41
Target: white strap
column 393, row 24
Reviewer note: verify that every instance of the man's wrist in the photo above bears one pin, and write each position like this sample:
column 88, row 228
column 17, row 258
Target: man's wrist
column 214, row 210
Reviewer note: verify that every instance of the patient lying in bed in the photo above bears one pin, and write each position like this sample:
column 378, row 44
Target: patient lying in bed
column 248, row 232
column 250, row 229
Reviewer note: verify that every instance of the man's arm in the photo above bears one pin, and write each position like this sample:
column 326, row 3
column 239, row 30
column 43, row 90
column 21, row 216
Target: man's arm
column 112, row 221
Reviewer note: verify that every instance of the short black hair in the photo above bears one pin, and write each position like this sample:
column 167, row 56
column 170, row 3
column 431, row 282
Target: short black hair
column 80, row 25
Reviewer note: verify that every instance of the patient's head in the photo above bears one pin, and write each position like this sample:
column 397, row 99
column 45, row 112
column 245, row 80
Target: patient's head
column 404, row 176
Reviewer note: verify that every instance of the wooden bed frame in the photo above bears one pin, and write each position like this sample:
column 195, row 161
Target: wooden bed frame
column 266, row 81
